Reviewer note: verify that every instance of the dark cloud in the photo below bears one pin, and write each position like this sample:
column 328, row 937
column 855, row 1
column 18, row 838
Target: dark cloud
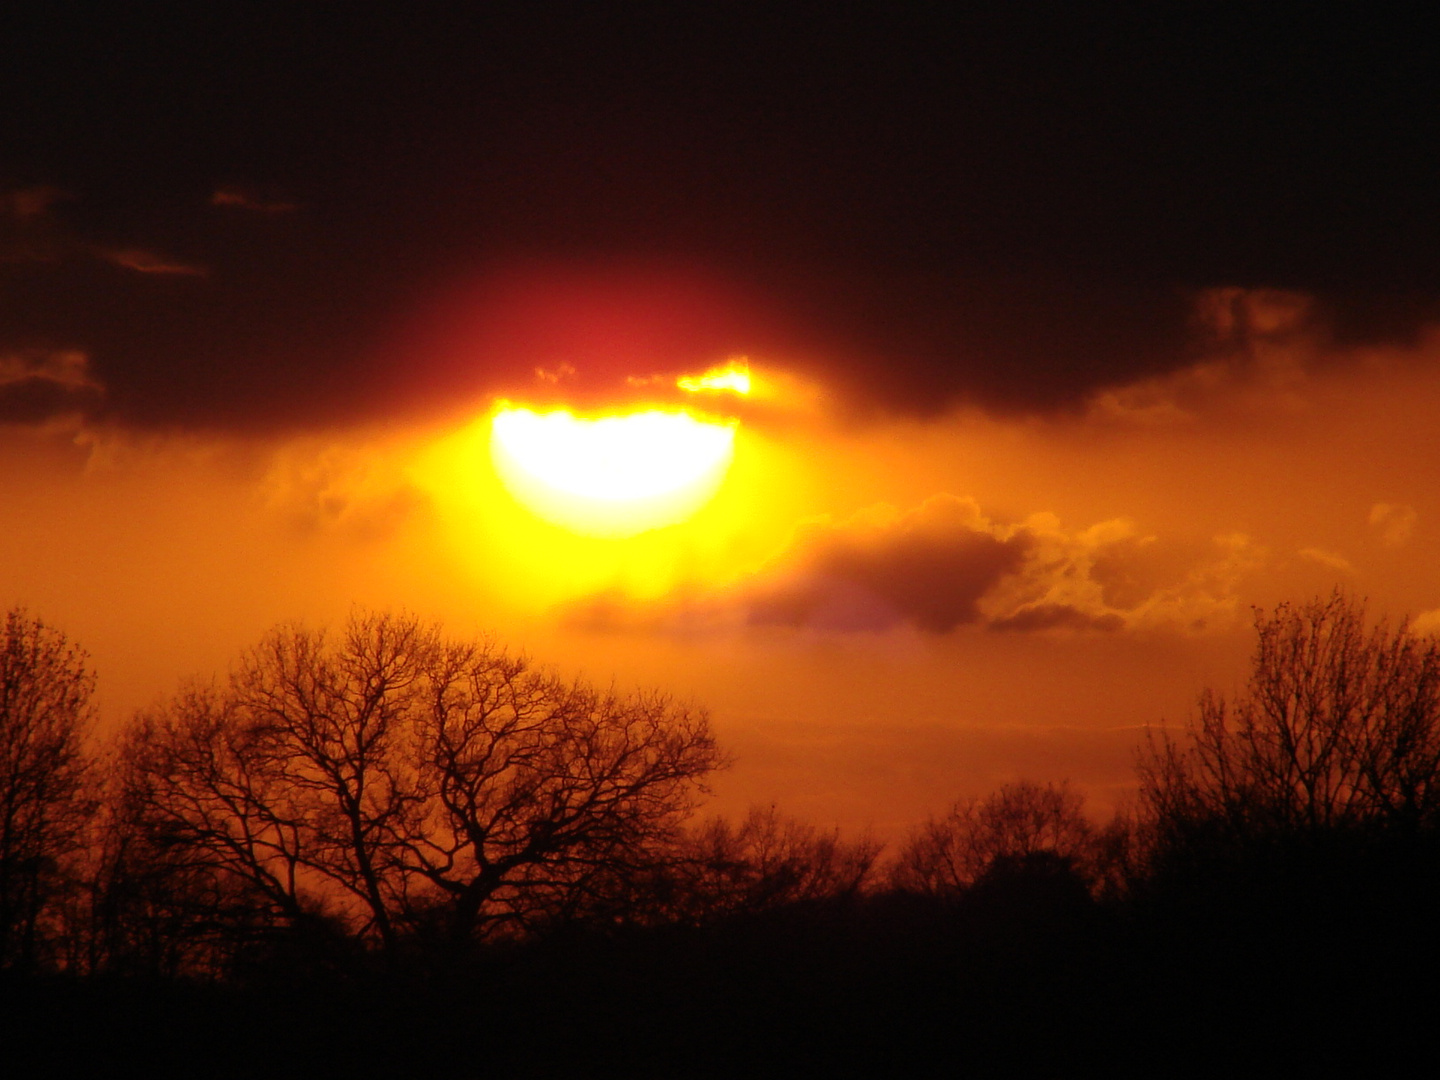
column 27, row 204
column 37, row 400
column 38, row 385
column 931, row 207
column 239, row 198
column 944, row 565
column 928, row 569
column 149, row 262
column 1057, row 617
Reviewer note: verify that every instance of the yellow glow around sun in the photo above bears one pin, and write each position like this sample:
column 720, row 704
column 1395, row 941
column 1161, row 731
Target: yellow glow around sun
column 610, row 476
column 547, row 506
column 533, row 545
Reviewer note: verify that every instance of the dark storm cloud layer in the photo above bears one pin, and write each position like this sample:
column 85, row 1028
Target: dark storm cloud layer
column 249, row 206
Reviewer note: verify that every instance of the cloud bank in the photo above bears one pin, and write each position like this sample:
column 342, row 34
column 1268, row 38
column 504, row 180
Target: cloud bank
column 944, row 565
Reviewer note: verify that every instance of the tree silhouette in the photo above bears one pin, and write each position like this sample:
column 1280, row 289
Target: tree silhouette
column 45, row 691
column 206, row 847
column 764, row 861
column 949, row 854
column 397, row 780
column 1293, row 856
column 1337, row 731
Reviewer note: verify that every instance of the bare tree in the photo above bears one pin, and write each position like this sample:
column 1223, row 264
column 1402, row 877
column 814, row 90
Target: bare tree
column 764, row 861
column 45, row 690
column 1338, row 729
column 207, row 844
column 393, row 778
column 947, row 855
column 538, row 792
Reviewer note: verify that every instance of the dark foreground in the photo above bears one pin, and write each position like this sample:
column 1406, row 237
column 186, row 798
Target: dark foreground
column 1277, row 970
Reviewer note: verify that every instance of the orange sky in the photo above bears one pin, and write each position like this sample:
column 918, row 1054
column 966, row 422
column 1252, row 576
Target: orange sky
column 882, row 615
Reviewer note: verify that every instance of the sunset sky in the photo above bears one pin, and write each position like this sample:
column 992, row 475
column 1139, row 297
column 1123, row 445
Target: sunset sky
column 1069, row 339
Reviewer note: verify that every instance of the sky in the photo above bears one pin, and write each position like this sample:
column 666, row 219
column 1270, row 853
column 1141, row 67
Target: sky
column 1072, row 338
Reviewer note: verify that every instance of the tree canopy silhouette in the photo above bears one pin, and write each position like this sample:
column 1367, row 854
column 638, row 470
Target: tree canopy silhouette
column 396, row 780
column 765, row 861
column 947, row 855
column 1337, row 730
column 45, row 690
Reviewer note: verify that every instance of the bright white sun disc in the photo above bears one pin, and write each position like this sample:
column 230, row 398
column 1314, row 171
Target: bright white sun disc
column 610, row 475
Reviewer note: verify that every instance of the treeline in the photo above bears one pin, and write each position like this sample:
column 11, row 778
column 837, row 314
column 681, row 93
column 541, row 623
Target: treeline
column 389, row 792
column 387, row 807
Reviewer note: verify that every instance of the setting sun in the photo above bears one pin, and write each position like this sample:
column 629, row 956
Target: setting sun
column 610, row 475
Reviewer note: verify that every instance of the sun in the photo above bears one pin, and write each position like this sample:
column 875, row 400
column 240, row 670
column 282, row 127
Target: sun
column 615, row 475
column 620, row 473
